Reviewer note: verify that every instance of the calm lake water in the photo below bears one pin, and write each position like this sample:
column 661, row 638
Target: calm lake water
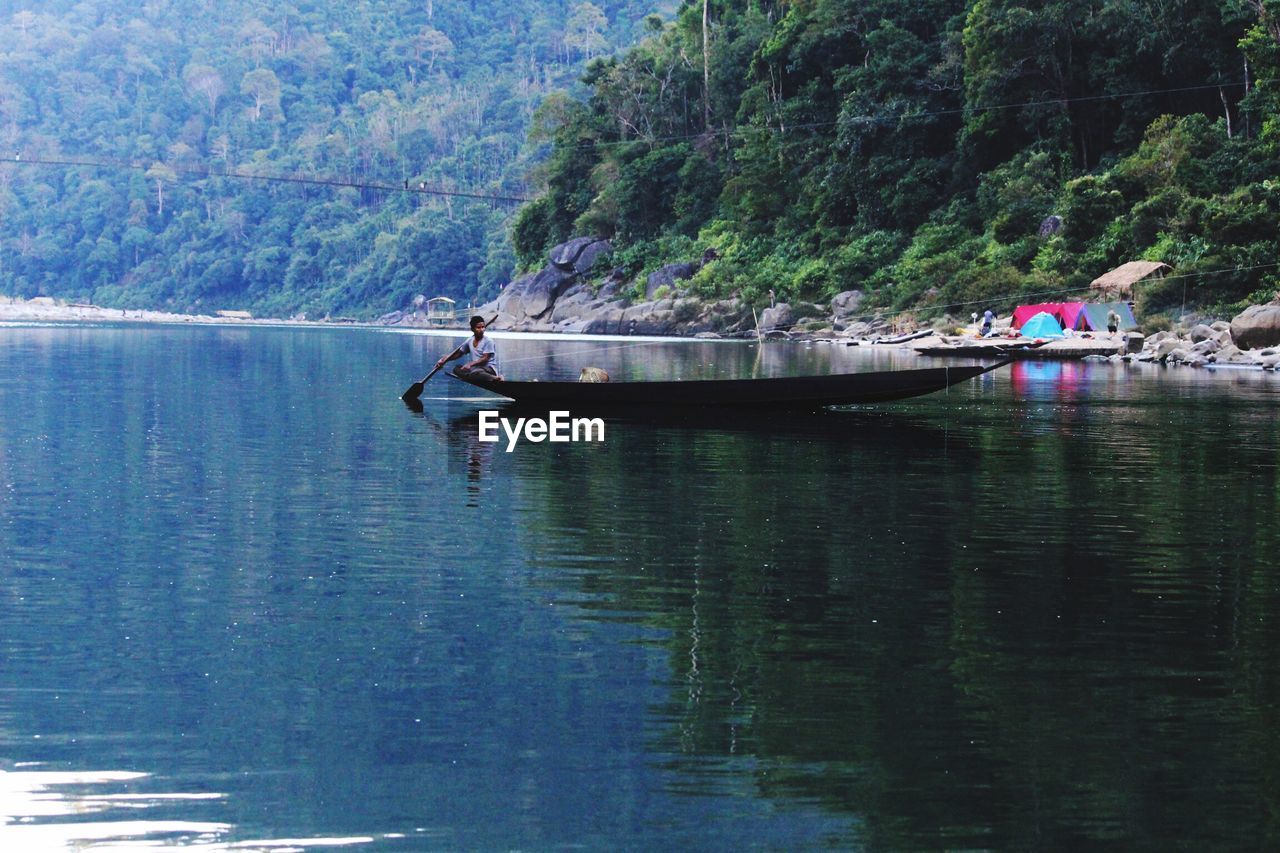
column 247, row 597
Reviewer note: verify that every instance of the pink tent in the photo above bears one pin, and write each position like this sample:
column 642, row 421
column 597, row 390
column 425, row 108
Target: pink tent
column 1023, row 313
column 1073, row 316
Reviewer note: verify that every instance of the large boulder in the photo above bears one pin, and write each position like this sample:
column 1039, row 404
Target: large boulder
column 1171, row 350
column 571, row 304
column 612, row 285
column 1227, row 355
column 845, row 305
column 1201, row 332
column 604, row 320
column 779, row 317
column 667, row 277
column 1258, row 326
column 528, row 297
column 1206, row 346
column 566, row 255
column 728, row 315
column 579, row 254
column 649, row 318
column 593, row 252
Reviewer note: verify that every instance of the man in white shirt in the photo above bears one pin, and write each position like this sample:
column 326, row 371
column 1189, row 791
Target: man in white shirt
column 481, row 354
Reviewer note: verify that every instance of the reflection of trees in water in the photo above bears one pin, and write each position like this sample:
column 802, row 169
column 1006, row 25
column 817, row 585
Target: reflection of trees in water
column 1008, row 635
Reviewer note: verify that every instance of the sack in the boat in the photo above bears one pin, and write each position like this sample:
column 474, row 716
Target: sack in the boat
column 593, row 374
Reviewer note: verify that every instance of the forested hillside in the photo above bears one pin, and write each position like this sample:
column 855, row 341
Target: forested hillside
column 929, row 152
column 174, row 99
column 932, row 152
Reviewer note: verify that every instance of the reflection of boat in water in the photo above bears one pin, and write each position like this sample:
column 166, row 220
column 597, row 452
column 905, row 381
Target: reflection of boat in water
column 794, row 392
column 865, row 428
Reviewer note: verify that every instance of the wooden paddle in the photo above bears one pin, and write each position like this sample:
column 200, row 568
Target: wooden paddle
column 415, row 390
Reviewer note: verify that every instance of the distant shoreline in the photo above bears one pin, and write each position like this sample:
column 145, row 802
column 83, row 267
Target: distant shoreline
column 1163, row 348
column 43, row 309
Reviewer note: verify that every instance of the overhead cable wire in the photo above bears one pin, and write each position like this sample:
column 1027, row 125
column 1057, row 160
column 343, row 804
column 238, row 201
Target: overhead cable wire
column 740, row 131
column 202, row 172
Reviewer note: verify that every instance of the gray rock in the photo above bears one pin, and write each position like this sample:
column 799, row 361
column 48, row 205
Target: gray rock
column 528, row 298
column 1201, row 332
column 1256, row 327
column 606, row 321
column 1050, row 225
column 592, row 253
column 1206, row 346
column 571, row 304
column 1165, row 348
column 845, row 305
column 809, row 311
column 566, row 255
column 780, row 317
column 667, row 277
column 648, row 318
column 612, row 284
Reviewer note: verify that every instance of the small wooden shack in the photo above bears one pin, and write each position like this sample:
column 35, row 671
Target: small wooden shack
column 440, row 310
column 1118, row 284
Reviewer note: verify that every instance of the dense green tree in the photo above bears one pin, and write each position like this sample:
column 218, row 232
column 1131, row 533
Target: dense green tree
column 932, row 153
column 197, row 118
column 915, row 150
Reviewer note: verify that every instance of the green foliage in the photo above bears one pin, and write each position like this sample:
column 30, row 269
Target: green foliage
column 531, row 231
column 916, row 151
column 910, row 150
column 394, row 94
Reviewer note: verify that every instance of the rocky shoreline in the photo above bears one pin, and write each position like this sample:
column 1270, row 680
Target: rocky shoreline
column 575, row 293
column 565, row 296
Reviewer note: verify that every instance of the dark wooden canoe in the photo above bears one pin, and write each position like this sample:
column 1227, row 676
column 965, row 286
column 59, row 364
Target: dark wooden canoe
column 793, row 392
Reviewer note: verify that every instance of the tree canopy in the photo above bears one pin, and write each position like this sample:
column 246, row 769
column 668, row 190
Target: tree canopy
column 932, row 153
column 398, row 113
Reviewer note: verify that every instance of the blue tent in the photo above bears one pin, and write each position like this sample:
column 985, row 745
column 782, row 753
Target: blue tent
column 1042, row 325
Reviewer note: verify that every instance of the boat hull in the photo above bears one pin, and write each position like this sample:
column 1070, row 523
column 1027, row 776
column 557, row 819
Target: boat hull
column 798, row 392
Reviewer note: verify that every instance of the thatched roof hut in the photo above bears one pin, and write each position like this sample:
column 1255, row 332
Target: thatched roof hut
column 1119, row 282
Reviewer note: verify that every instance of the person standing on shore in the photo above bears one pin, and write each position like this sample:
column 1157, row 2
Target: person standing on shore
column 1113, row 321
column 484, row 355
column 988, row 317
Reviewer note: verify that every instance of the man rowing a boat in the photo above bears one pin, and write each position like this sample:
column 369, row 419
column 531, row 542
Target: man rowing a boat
column 483, row 364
